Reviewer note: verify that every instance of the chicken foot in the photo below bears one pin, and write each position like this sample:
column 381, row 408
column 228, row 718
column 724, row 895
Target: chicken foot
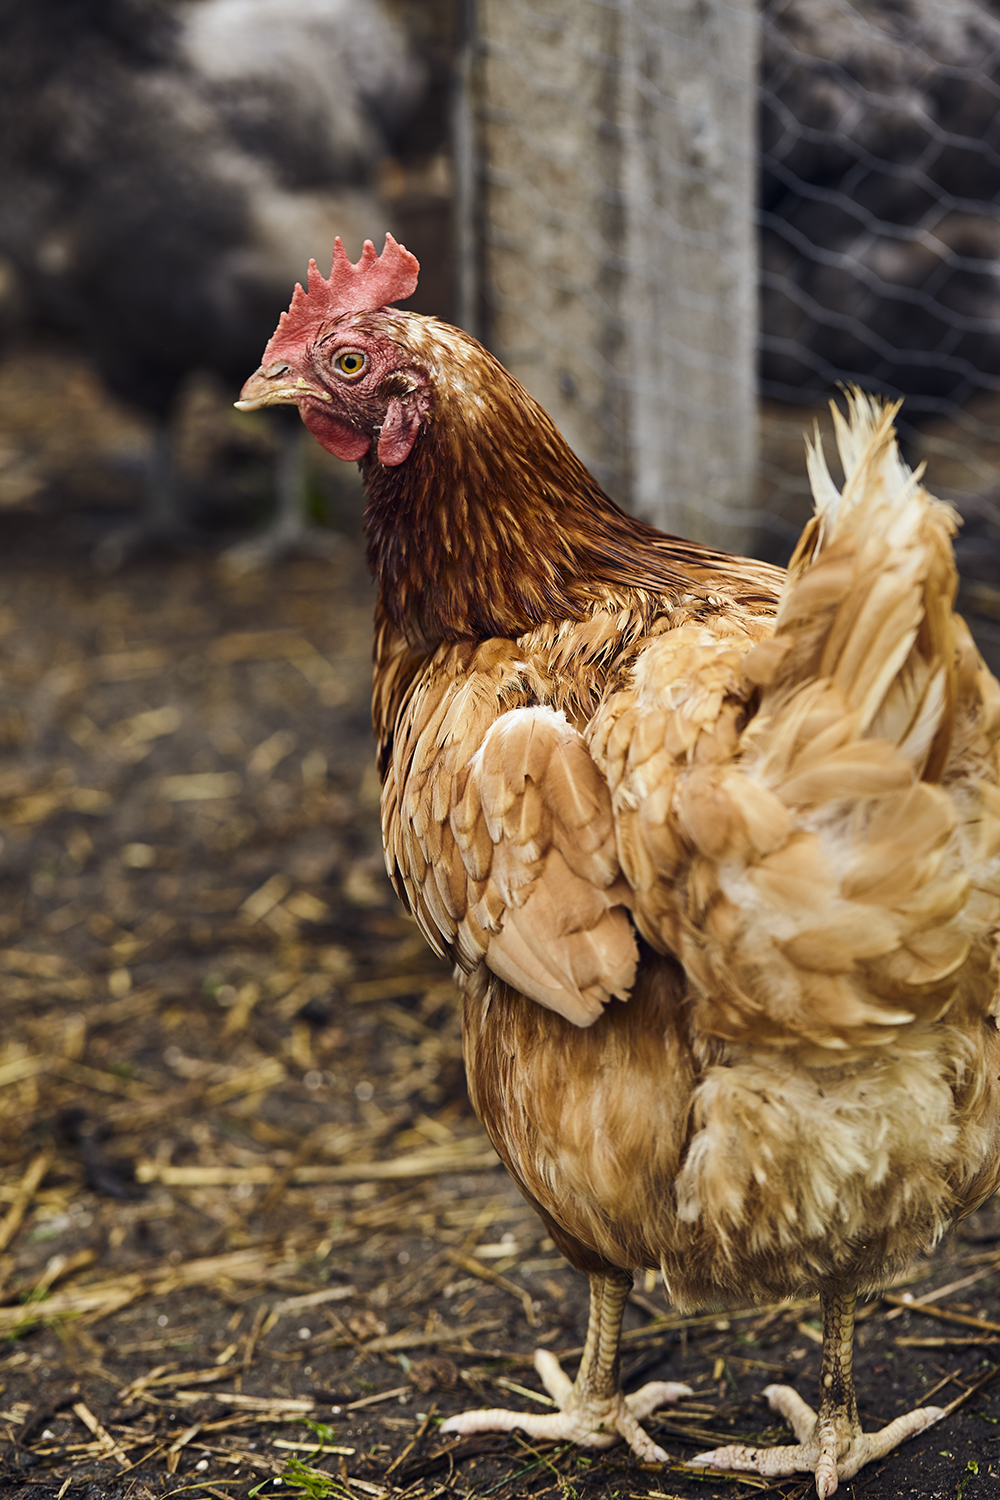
column 831, row 1444
column 593, row 1410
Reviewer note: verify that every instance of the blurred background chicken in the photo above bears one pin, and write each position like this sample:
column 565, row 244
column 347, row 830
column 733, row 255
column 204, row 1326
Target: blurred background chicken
column 167, row 169
column 879, row 235
column 716, row 854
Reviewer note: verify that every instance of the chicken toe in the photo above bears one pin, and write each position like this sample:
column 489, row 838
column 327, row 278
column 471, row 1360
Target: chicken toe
column 831, row 1445
column 831, row 1449
column 593, row 1410
column 586, row 1416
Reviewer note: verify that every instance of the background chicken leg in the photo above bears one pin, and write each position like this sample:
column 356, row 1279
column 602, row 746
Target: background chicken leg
column 831, row 1444
column 593, row 1410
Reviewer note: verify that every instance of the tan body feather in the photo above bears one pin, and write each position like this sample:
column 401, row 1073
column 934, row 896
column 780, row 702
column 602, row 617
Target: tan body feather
column 792, row 1081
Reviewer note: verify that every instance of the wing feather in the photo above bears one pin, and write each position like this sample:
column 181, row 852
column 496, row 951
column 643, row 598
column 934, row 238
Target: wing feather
column 499, row 832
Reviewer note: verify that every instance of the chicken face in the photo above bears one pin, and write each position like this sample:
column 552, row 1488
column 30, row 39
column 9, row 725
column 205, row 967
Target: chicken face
column 353, row 385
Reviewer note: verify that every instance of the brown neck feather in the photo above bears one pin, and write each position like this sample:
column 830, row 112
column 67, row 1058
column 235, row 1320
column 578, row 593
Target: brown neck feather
column 492, row 525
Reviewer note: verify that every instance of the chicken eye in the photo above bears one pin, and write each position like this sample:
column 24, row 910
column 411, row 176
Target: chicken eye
column 351, row 362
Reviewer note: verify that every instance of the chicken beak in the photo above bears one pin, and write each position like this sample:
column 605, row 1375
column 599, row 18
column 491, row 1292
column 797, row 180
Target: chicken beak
column 276, row 386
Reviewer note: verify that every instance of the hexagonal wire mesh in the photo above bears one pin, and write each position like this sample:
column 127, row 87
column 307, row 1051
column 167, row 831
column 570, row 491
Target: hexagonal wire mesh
column 633, row 158
column 880, row 233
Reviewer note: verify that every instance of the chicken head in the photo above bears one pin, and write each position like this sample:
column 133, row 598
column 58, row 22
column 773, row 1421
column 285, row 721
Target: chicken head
column 352, row 382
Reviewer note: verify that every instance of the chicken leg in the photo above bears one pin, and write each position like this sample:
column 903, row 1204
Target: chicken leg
column 593, row 1410
column 289, row 533
column 831, row 1444
column 160, row 521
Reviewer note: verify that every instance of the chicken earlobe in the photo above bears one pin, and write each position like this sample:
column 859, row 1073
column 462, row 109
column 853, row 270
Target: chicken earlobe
column 399, row 432
column 592, row 1409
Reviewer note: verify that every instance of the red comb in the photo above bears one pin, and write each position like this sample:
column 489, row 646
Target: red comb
column 373, row 282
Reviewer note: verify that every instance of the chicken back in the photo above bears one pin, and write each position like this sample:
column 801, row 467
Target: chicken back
column 715, row 850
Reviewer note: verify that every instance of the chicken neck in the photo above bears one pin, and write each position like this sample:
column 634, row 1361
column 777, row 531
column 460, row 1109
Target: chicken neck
column 593, row 1411
column 493, row 525
column 831, row 1444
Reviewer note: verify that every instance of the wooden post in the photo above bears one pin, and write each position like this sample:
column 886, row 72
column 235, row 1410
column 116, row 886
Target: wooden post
column 616, row 178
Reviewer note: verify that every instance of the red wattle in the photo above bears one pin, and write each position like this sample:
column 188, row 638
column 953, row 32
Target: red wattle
column 336, row 436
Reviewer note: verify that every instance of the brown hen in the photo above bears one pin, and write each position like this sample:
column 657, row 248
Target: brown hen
column 715, row 850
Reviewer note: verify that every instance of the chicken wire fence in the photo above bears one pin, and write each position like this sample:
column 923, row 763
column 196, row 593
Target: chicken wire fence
column 879, row 233
column 694, row 218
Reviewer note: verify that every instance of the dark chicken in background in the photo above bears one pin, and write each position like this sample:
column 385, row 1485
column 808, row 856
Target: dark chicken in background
column 880, row 236
column 166, row 170
column 880, row 176
column 715, row 850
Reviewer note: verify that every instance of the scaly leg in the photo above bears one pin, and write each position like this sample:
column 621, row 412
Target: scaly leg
column 831, row 1444
column 289, row 533
column 160, row 519
column 593, row 1411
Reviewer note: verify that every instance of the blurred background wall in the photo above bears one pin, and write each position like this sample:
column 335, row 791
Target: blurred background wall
column 681, row 225
column 613, row 194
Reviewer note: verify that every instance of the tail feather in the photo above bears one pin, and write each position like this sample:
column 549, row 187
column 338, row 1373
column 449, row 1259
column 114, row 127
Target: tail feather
column 862, row 918
column 822, row 849
column 868, row 605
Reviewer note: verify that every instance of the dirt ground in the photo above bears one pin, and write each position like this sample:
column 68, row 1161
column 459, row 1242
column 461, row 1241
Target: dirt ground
column 252, row 1239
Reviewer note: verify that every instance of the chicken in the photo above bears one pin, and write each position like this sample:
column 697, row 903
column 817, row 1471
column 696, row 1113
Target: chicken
column 879, row 225
column 716, row 851
column 171, row 165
